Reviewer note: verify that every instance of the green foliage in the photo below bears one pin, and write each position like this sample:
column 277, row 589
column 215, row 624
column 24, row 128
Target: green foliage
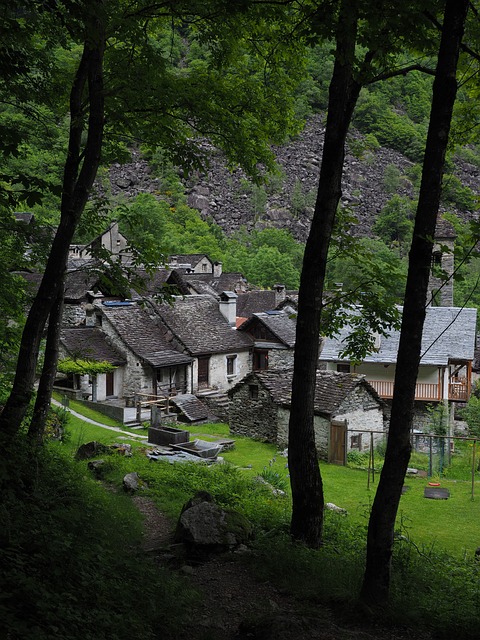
column 438, row 419
column 373, row 279
column 392, row 178
column 358, row 459
column 394, row 224
column 362, row 147
column 84, row 367
column 392, row 129
column 471, row 414
column 72, row 565
column 57, row 423
column 266, row 257
column 301, row 202
column 274, row 477
column 457, row 194
column 470, row 154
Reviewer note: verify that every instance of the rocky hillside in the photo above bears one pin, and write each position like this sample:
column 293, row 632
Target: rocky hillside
column 287, row 200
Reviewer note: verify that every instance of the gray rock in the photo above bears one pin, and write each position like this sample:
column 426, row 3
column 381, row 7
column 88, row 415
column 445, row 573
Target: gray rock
column 333, row 507
column 205, row 527
column 90, row 450
column 96, row 467
column 132, row 482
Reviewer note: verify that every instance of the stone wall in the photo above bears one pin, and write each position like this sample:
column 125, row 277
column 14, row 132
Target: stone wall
column 73, row 315
column 280, row 359
column 321, row 427
column 217, row 370
column 363, row 414
column 253, row 418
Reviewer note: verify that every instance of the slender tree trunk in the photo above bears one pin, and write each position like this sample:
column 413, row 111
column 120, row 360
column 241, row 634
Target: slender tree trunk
column 305, row 477
column 80, row 170
column 36, row 429
column 376, row 583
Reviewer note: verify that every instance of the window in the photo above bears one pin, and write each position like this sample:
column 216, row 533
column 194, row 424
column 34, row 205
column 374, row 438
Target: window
column 253, row 391
column 436, row 259
column 356, row 442
column 260, row 360
column 343, row 368
column 231, row 365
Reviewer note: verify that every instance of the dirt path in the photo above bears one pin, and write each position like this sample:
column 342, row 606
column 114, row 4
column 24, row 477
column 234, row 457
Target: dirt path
column 236, row 606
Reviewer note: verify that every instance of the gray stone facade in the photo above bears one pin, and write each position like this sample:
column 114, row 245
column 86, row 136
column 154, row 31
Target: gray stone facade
column 259, row 408
column 253, row 417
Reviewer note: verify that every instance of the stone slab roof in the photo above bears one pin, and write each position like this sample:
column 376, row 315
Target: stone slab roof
column 191, row 258
column 190, row 406
column 214, row 285
column 280, row 324
column 90, row 343
column 77, row 283
column 448, row 335
column 198, row 283
column 196, row 321
column 161, row 281
column 255, row 302
column 143, row 335
column 331, row 388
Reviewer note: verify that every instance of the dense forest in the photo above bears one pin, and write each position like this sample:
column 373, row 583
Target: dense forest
column 211, row 98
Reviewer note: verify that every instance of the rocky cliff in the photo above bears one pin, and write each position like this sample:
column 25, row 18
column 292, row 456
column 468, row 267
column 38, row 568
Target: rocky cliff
column 287, row 200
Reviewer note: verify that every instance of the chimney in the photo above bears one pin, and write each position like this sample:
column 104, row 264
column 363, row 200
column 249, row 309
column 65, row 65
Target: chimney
column 228, row 306
column 280, row 293
column 217, row 269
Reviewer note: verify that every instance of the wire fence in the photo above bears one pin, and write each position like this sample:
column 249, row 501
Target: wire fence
column 436, row 453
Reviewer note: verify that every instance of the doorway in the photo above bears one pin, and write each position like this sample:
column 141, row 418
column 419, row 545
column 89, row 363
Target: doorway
column 338, row 439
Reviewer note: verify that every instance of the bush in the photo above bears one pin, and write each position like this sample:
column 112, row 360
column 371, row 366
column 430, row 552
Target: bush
column 71, row 561
column 358, row 458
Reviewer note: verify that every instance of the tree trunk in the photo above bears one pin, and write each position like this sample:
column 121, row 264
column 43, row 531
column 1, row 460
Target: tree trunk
column 77, row 183
column 376, row 580
column 305, row 477
column 36, row 429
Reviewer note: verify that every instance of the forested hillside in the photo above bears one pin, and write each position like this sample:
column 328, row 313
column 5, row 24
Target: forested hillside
column 218, row 209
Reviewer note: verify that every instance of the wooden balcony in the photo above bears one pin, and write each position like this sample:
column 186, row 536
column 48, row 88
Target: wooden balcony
column 458, row 391
column 424, row 390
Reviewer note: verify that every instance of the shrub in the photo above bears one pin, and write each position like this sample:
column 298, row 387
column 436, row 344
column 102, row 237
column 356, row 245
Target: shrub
column 70, row 555
column 274, row 478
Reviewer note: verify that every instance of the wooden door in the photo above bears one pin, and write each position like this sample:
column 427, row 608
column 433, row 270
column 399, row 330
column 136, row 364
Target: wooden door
column 203, row 372
column 109, row 384
column 338, row 436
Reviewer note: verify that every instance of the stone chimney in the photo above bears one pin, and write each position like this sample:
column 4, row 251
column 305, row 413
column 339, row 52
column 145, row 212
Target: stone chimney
column 217, row 269
column 280, row 293
column 228, row 306
column 440, row 284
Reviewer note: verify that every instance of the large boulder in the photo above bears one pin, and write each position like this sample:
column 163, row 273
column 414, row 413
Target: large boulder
column 205, row 527
column 91, row 450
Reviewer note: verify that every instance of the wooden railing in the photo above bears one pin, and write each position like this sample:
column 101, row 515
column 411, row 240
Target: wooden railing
column 458, row 391
column 423, row 390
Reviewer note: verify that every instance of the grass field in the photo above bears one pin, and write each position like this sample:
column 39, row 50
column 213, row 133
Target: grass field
column 450, row 524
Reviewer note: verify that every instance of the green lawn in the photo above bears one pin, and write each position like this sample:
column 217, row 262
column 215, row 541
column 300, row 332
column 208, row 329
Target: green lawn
column 447, row 524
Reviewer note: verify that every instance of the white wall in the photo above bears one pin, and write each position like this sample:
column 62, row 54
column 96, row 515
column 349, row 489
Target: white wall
column 217, row 370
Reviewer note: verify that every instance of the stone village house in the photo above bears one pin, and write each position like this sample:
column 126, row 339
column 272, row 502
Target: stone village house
column 164, row 349
column 348, row 412
column 445, row 371
column 204, row 328
column 273, row 334
column 90, row 343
